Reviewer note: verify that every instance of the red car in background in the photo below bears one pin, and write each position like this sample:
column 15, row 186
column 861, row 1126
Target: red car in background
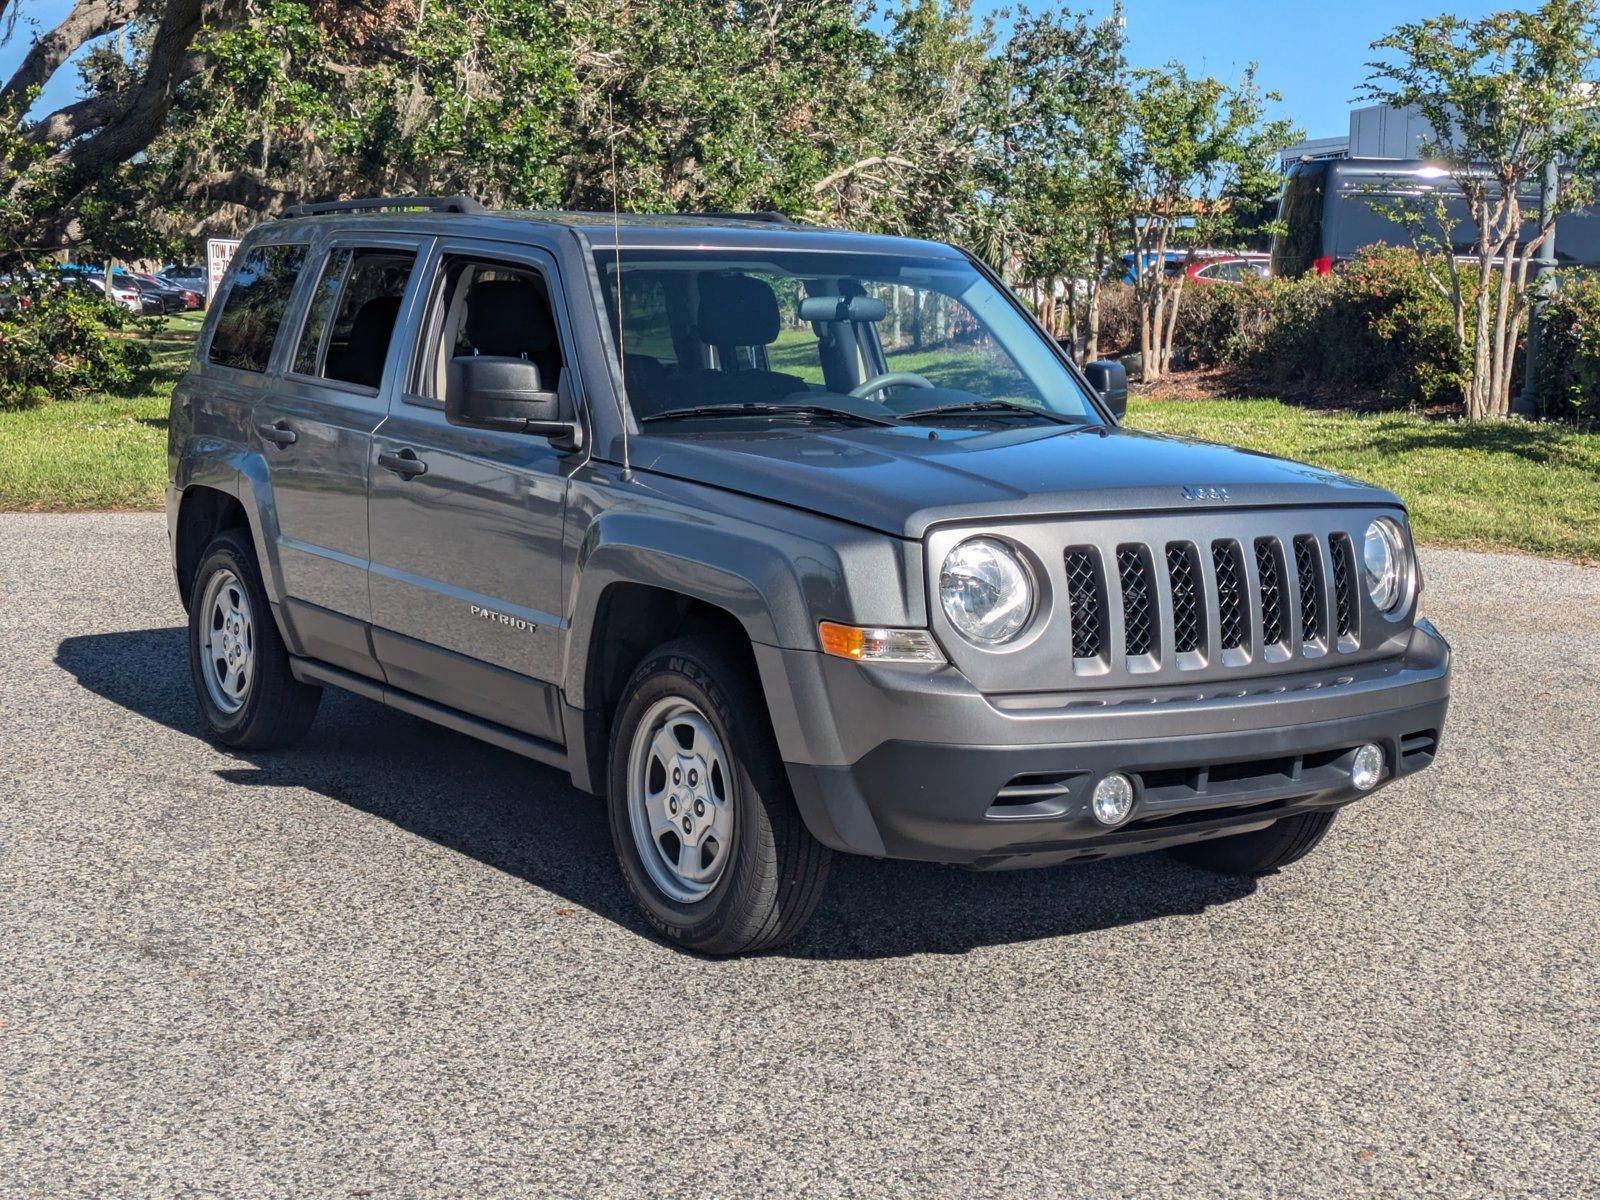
column 1230, row 268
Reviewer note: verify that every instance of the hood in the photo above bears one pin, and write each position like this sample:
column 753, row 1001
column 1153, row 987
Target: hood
column 901, row 481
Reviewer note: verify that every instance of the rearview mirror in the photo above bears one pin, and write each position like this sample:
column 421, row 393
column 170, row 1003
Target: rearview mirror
column 488, row 391
column 1110, row 379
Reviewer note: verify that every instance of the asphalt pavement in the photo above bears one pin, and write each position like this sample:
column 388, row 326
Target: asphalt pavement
column 394, row 962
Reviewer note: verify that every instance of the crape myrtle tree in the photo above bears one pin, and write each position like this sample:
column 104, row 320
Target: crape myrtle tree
column 1062, row 92
column 1504, row 96
column 1197, row 156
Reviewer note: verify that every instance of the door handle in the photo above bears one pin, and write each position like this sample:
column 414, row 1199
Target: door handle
column 279, row 433
column 404, row 464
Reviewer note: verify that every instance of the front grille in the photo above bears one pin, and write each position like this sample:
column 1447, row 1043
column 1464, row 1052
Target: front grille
column 1344, row 573
column 1233, row 601
column 1308, row 567
column 1274, row 599
column 1085, row 603
column 1188, row 600
column 1233, row 621
column 1138, row 600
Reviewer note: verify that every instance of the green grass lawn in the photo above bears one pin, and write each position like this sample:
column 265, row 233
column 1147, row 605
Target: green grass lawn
column 103, row 452
column 1499, row 486
column 1503, row 486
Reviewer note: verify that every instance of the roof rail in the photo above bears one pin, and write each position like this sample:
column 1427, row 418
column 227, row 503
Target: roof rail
column 769, row 217
column 443, row 204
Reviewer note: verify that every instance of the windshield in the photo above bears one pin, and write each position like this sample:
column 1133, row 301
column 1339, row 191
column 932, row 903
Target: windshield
column 824, row 335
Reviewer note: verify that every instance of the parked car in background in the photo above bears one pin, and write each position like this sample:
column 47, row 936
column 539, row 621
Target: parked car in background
column 172, row 300
column 124, row 293
column 153, row 302
column 194, row 298
column 1238, row 268
column 190, row 275
column 1173, row 263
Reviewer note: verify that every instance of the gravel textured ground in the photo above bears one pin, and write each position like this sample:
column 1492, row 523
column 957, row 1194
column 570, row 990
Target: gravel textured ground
column 394, row 962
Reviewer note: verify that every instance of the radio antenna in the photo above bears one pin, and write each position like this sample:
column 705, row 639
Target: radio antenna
column 616, row 247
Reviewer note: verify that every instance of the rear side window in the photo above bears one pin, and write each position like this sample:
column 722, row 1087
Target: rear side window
column 254, row 307
column 352, row 316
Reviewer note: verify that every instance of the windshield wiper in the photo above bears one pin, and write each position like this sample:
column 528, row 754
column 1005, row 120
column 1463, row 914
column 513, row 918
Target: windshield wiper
column 983, row 406
column 767, row 410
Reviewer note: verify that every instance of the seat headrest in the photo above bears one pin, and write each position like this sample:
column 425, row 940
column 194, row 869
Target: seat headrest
column 375, row 319
column 509, row 318
column 736, row 310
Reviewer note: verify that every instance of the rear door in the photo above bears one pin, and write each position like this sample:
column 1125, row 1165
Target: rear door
column 315, row 430
column 467, row 548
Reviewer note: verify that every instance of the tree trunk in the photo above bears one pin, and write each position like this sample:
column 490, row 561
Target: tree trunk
column 1171, row 330
column 1091, row 320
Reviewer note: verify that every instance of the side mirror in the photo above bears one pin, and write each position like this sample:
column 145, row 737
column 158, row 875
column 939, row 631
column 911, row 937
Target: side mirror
column 1110, row 379
column 487, row 391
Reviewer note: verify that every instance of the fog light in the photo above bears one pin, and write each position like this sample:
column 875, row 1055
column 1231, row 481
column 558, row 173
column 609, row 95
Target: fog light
column 1367, row 768
column 1113, row 799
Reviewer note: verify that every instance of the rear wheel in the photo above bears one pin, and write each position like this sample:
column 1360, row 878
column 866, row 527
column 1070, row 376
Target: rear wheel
column 248, row 697
column 702, row 820
column 1279, row 844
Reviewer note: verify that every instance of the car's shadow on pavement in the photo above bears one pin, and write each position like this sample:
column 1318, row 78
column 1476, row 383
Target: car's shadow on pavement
column 528, row 821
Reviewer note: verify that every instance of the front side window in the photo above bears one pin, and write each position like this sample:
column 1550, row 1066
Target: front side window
column 877, row 338
column 254, row 307
column 490, row 308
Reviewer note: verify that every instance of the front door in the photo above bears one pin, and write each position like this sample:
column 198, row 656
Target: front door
column 466, row 524
column 316, row 434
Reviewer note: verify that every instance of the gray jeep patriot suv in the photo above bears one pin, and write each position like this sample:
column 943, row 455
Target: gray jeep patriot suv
column 782, row 540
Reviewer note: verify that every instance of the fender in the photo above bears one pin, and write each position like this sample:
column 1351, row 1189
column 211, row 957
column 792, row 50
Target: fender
column 238, row 471
column 734, row 572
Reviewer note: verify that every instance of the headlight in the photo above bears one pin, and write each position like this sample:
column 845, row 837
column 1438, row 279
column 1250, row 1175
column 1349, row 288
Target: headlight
column 986, row 591
column 1384, row 564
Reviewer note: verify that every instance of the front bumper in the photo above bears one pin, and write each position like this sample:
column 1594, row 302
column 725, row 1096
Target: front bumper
column 914, row 763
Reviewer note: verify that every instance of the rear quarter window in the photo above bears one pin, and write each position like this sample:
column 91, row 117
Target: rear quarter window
column 253, row 309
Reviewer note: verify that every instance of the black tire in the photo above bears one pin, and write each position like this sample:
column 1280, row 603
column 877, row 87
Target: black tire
column 777, row 871
column 278, row 708
column 1279, row 844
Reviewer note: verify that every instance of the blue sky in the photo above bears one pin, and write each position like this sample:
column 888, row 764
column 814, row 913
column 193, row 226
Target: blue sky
column 1309, row 51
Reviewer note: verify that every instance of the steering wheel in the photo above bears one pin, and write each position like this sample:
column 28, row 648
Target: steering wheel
column 889, row 379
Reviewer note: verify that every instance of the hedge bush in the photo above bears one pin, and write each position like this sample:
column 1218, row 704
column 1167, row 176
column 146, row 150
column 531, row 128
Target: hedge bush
column 63, row 344
column 1568, row 382
column 1377, row 330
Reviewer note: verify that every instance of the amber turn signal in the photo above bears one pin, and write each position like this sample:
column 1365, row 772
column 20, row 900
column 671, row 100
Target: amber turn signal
column 875, row 644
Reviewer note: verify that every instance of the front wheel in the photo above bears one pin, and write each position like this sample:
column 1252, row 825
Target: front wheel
column 704, row 826
column 1283, row 842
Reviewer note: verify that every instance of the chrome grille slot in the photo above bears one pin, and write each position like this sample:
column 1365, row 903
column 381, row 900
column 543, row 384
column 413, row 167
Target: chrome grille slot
column 1274, row 596
column 1086, row 602
column 1308, row 568
column 1233, row 614
column 1344, row 576
column 1188, row 599
column 1139, row 617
